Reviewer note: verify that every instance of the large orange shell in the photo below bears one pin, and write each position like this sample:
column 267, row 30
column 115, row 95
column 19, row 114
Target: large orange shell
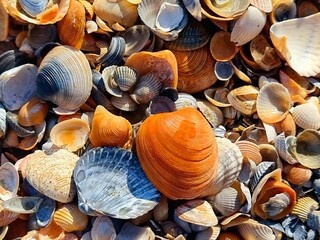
column 178, row 152
column 109, row 129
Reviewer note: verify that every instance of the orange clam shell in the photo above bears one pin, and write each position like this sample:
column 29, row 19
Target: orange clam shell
column 221, row 47
column 33, row 112
column 162, row 63
column 178, row 152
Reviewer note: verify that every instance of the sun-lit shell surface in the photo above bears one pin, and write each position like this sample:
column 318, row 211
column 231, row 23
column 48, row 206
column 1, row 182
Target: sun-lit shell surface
column 50, row 172
column 32, row 113
column 187, row 166
column 306, row 116
column 110, row 181
column 6, row 217
column 293, row 46
column 70, row 134
column 212, row 113
column 23, row 205
column 64, row 78
column 263, row 5
column 221, row 47
column 9, row 181
column 304, row 206
column 228, row 9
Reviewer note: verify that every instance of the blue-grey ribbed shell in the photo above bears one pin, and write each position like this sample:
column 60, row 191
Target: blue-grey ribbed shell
column 33, row 7
column 13, row 58
column 110, row 181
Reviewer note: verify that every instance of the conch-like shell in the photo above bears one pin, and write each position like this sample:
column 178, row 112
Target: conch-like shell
column 115, row 174
column 50, row 172
column 64, row 78
column 71, row 134
column 293, row 46
column 110, row 130
column 48, row 14
column 188, row 163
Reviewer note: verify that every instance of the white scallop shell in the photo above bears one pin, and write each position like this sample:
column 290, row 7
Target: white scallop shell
column 306, row 116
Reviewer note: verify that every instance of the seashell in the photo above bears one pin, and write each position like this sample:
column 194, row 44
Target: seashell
column 146, row 89
column 103, row 228
column 212, row 113
column 313, row 220
column 306, row 8
column 18, row 82
column 304, row 206
column 261, row 170
column 114, row 53
column 3, row 124
column 228, row 9
column 134, row 232
column 248, row 26
column 39, row 35
column 70, row 33
column 50, row 172
column 166, row 18
column 24, row 205
column 269, row 153
column 189, row 213
column 9, row 181
column 171, row 228
column 70, row 134
column 4, row 29
column 305, row 148
column 210, row 233
column 124, row 103
column 263, row 54
column 194, row 8
column 228, row 169
column 192, row 37
column 3, row 231
column 282, row 11
column 288, row 126
column 252, row 229
column 296, row 174
column 116, row 13
column 250, row 150
column 195, row 70
column 273, row 103
column 162, row 64
column 6, row 217
column 185, row 100
column 52, row 231
column 160, row 104
column 30, row 142
column 32, row 113
column 217, row 96
column 292, row 46
column 119, row 175
column 110, row 130
column 12, row 120
column 243, row 99
column 161, row 211
column 70, row 218
column 125, row 77
column 109, row 84
column 51, row 14
column 263, row 5
column 64, row 78
column 272, row 199
column 169, row 92
column 198, row 144
column 282, row 145
column 221, row 47
column 13, row 58
column 223, row 70
column 306, row 116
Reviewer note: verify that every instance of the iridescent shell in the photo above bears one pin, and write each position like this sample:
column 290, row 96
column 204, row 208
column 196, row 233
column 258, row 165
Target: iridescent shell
column 110, row 130
column 50, row 172
column 70, row 218
column 116, row 175
column 19, row 82
column 9, row 181
column 64, row 78
column 188, row 164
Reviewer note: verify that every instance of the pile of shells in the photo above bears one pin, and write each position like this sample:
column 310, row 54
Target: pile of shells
column 159, row 119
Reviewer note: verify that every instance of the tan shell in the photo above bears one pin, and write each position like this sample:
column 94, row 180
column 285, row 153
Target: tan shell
column 212, row 113
column 210, row 233
column 217, row 96
column 304, row 206
column 273, row 103
column 70, row 134
column 221, row 47
column 70, row 218
column 306, row 116
column 4, row 19
column 250, row 150
column 296, row 174
column 263, row 5
column 229, row 9
column 50, row 172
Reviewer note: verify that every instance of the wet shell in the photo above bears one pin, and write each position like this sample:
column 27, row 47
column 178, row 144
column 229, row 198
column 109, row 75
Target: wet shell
column 282, row 10
column 50, row 172
column 293, row 47
column 306, row 116
column 273, row 103
column 248, row 26
column 212, row 113
column 146, row 89
column 166, row 18
column 124, row 103
column 188, row 163
column 195, row 70
column 229, row 166
column 125, row 77
column 71, row 134
column 116, row 175
column 243, row 99
column 9, row 181
column 304, row 206
column 228, row 9
column 51, row 14
column 32, row 113
column 18, row 82
column 109, row 129
column 103, row 228
column 64, row 78
column 70, row 218
column 221, row 47
column 70, row 33
column 163, row 64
